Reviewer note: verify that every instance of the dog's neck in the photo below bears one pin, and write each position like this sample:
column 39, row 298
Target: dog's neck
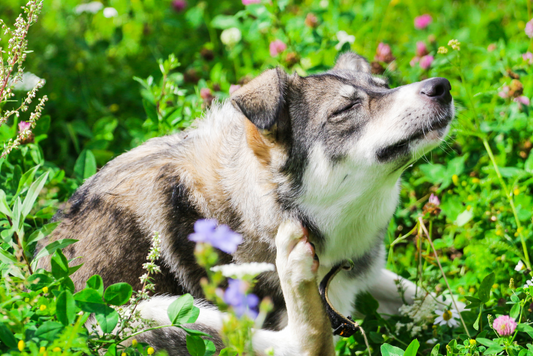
column 350, row 205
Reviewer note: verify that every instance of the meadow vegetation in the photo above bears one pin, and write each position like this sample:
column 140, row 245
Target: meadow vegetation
column 81, row 83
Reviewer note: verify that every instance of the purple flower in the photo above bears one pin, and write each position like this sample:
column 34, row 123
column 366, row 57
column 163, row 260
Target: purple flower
column 425, row 62
column 522, row 100
column 528, row 57
column 529, row 29
column 179, row 5
column 276, row 47
column 504, row 325
column 205, row 93
column 433, row 199
column 242, row 303
column 23, row 126
column 248, row 2
column 220, row 237
column 233, row 88
column 421, row 49
column 504, row 94
column 422, row 21
column 384, row 53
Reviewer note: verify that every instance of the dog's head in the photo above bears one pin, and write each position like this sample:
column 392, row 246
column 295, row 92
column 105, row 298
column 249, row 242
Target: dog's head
column 348, row 115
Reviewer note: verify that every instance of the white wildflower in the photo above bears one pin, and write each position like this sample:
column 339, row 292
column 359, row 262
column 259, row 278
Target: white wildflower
column 432, row 341
column 246, row 269
column 447, row 317
column 528, row 284
column 231, row 36
column 91, row 7
column 415, row 330
column 519, row 266
column 343, row 38
column 398, row 327
column 28, row 82
column 110, row 12
column 421, row 311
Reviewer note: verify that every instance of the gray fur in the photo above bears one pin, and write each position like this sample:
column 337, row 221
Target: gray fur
column 252, row 164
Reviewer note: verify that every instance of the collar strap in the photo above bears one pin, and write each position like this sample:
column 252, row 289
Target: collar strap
column 343, row 326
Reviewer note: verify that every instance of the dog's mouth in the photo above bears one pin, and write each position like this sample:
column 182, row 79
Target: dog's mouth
column 402, row 148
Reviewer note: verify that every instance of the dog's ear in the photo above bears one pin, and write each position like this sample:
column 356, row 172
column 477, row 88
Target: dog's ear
column 353, row 62
column 262, row 99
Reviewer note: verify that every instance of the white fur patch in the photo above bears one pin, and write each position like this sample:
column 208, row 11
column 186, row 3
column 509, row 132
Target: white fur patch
column 347, row 91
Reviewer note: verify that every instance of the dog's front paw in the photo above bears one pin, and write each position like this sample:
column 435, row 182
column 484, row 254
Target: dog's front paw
column 295, row 259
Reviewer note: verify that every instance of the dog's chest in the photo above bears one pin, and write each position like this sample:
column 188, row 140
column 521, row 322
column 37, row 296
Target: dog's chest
column 350, row 206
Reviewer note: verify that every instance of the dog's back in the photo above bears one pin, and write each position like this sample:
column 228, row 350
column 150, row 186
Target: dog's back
column 165, row 185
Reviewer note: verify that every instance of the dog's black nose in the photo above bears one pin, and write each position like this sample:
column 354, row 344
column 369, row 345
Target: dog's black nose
column 438, row 89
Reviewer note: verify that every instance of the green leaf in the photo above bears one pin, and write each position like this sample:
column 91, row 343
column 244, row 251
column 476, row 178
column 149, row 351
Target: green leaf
column 389, row 350
column 493, row 350
column 223, row 22
column 66, row 308
column 464, row 218
column 7, row 336
column 526, row 329
column 529, row 163
column 6, row 257
column 42, row 233
column 118, row 293
column 366, row 304
column 107, row 318
column 195, row 345
column 85, row 165
column 210, row 348
column 59, row 265
column 412, row 348
column 49, row 330
column 26, row 179
column 486, row 342
column 435, row 350
column 87, row 298
column 181, row 310
column 194, row 332
column 473, row 302
column 515, row 311
column 32, row 194
column 150, row 110
column 478, row 320
column 485, row 287
column 51, row 248
column 39, row 281
column 111, row 351
column 4, row 206
column 97, row 283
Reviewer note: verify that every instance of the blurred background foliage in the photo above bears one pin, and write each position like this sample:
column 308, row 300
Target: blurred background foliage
column 112, row 84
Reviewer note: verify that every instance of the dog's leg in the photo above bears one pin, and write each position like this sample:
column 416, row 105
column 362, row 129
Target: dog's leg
column 387, row 292
column 308, row 331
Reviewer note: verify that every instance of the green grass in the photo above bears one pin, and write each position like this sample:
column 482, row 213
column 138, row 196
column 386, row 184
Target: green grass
column 107, row 93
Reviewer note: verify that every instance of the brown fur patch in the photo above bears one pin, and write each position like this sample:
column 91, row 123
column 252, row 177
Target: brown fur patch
column 257, row 143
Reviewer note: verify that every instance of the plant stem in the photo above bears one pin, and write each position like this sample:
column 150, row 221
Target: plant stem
column 443, row 275
column 19, row 244
column 16, row 57
column 143, row 331
column 511, row 202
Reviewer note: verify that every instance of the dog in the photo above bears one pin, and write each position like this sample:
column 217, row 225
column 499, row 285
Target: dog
column 323, row 152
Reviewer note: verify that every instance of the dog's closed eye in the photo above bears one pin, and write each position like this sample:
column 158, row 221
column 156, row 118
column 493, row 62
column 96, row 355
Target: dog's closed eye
column 347, row 108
